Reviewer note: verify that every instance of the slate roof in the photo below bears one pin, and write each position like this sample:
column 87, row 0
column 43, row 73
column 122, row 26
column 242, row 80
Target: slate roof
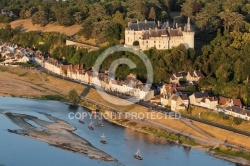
column 142, row 25
column 184, row 97
column 200, row 94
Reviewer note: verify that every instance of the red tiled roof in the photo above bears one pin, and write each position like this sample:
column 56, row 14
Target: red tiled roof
column 223, row 100
column 170, row 88
column 237, row 102
column 90, row 73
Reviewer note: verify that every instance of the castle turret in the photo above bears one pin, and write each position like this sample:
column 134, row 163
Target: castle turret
column 188, row 35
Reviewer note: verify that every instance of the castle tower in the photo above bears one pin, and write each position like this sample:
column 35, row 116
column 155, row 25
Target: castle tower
column 188, row 35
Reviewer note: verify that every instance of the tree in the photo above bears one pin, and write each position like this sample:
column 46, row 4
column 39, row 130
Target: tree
column 187, row 8
column 237, row 121
column 232, row 20
column 113, row 33
column 152, row 14
column 39, row 18
column 78, row 18
column 208, row 18
column 74, row 97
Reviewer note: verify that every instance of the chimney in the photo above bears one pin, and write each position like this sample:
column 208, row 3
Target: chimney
column 159, row 24
column 176, row 25
column 146, row 21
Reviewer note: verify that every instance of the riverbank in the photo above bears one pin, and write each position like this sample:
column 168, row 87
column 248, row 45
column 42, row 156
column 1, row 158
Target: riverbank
column 18, row 82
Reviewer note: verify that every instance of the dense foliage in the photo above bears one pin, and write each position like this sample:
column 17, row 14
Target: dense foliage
column 227, row 14
column 226, row 62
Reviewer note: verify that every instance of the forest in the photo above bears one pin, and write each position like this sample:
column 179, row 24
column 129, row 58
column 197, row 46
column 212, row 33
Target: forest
column 225, row 60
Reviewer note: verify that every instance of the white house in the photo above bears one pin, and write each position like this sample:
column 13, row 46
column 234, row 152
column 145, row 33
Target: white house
column 196, row 98
column 194, row 76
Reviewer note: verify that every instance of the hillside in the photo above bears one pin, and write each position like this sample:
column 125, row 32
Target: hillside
column 27, row 25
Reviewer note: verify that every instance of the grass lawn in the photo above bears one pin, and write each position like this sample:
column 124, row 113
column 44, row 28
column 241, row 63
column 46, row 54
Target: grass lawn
column 226, row 120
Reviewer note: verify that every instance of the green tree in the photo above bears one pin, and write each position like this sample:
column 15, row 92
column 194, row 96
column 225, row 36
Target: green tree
column 39, row 18
column 74, row 97
column 208, row 19
column 113, row 33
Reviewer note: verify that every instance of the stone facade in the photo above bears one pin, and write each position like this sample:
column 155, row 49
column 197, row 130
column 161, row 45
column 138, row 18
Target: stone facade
column 161, row 36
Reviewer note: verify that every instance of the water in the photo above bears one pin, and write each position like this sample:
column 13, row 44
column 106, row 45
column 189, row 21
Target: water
column 16, row 150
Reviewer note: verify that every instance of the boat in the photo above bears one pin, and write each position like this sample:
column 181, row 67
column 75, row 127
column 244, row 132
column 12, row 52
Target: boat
column 103, row 140
column 90, row 126
column 81, row 121
column 137, row 155
column 100, row 124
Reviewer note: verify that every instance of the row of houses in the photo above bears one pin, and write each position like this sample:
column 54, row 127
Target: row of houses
column 172, row 98
column 12, row 53
column 169, row 96
column 130, row 86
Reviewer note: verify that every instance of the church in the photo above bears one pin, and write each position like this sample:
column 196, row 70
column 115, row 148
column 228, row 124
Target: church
column 161, row 36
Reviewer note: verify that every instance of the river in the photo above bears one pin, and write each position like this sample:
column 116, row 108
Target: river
column 17, row 150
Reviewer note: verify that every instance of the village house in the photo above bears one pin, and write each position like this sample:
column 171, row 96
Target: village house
column 166, row 99
column 209, row 102
column 179, row 102
column 175, row 78
column 88, row 77
column 194, row 76
column 196, row 98
column 133, row 87
column 168, row 88
column 52, row 65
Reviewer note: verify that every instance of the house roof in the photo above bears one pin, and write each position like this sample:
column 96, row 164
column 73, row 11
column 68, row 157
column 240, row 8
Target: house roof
column 184, row 97
column 90, row 73
column 181, row 74
column 142, row 25
column 237, row 102
column 246, row 112
column 223, row 100
column 175, row 97
column 198, row 73
column 200, row 94
column 209, row 98
column 170, row 88
column 175, row 32
column 182, row 105
column 237, row 109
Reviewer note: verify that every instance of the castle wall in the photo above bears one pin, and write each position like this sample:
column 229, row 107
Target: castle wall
column 188, row 39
